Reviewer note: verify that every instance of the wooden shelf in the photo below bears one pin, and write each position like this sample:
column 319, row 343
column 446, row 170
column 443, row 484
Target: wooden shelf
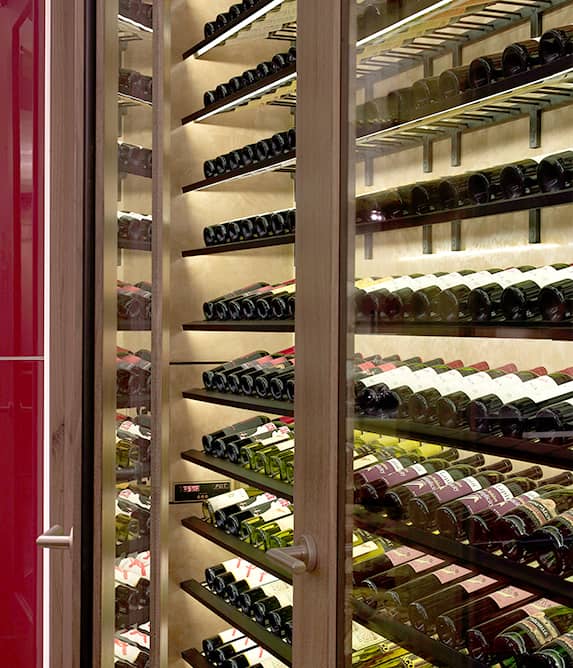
column 498, row 330
column 285, row 162
column 133, row 325
column 498, row 446
column 236, row 546
column 522, row 575
column 259, row 21
column 285, row 408
column 411, row 639
column 195, row 659
column 238, row 620
column 236, row 472
column 128, row 244
column 125, row 100
column 278, row 88
column 536, row 201
column 135, row 401
column 240, row 326
column 241, row 246
column 132, row 546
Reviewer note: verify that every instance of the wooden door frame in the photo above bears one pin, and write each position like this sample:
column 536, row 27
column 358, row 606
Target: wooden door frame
column 323, row 335
column 66, row 162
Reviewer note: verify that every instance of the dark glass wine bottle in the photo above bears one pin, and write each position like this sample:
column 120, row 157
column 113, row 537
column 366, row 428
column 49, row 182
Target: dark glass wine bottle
column 209, row 375
column 425, row 197
column 425, row 300
column 453, row 192
column 383, row 562
column 484, row 302
column 552, row 545
column 555, row 172
column 519, row 179
column 454, row 81
column 556, row 301
column 485, row 186
column 425, row 92
column 520, row 57
column 424, row 611
column 224, row 652
column 520, row 301
column 209, row 308
column 400, row 104
column 556, row 654
column 397, row 304
column 453, row 303
column 422, row 509
column 485, row 70
column 209, row 645
column 238, row 428
column 555, row 44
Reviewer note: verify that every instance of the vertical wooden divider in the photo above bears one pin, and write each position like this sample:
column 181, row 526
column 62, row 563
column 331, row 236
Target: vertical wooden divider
column 323, row 337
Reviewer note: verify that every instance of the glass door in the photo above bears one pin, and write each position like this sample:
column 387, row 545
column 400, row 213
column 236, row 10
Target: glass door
column 459, row 370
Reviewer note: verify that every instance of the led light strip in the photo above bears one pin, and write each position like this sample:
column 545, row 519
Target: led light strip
column 233, row 30
column 135, row 24
column 249, row 96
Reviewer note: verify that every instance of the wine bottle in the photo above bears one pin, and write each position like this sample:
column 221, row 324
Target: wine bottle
column 263, row 380
column 215, row 503
column 453, row 625
column 479, row 526
column 224, row 652
column 244, row 380
column 554, row 423
column 372, row 493
column 249, row 526
column 234, row 448
column 397, row 303
column 528, row 517
column 425, row 197
column 485, row 186
column 248, row 452
column 378, row 471
column 248, row 598
column 400, row 104
column 451, row 517
column 516, row 417
column 263, row 534
column 254, row 658
column 422, row 509
column 280, row 539
column 278, row 385
column 520, row 57
column 374, row 590
column 365, row 294
column 212, row 572
column 552, row 545
column 555, row 172
column 556, row 43
column 209, row 645
column 398, row 598
column 454, row 81
column 519, row 179
column 556, row 301
column 555, row 654
column 280, row 598
column 209, row 29
column 240, row 429
column 268, row 460
column 453, row 301
column 222, row 514
column 520, row 301
column 484, row 302
column 485, row 70
column 453, row 192
column 260, row 305
column 426, row 91
column 532, row 633
column 452, row 409
column 208, row 376
column 383, row 562
column 424, row 300
column 219, row 446
column 234, row 522
column 242, row 577
column 376, row 374
column 130, row 655
column 278, row 619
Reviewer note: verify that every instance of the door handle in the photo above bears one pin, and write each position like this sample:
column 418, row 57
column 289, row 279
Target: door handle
column 300, row 558
column 55, row 539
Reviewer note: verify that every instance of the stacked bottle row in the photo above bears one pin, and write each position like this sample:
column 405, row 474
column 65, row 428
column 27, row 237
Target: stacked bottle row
column 131, row 647
column 498, row 183
column 491, row 619
column 258, row 518
column 133, row 447
column 255, row 374
column 132, row 588
column 263, row 226
column 446, row 90
column 259, row 74
column 521, row 404
column 138, row 11
column 524, row 293
column 233, row 649
column 133, row 372
column 280, row 144
column 132, row 515
column 134, row 304
column 133, row 226
column 135, row 84
column 227, row 19
column 259, row 301
column 134, row 159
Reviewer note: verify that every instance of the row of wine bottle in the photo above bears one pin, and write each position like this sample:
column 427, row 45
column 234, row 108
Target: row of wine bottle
column 493, row 620
column 430, row 93
column 258, row 301
column 232, row 649
column 132, row 448
column 133, row 372
column 134, row 301
column 132, row 585
column 265, row 225
column 517, row 404
column 279, row 144
column 502, row 182
column 515, row 294
column 226, row 19
column 135, row 84
column 138, row 11
column 258, row 373
column 133, row 226
column 134, row 159
column 259, row 74
column 132, row 513
column 132, row 648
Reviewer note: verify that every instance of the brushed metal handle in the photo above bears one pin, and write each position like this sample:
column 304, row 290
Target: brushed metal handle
column 300, row 558
column 55, row 539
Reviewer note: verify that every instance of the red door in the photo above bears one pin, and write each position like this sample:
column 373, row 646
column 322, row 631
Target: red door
column 21, row 326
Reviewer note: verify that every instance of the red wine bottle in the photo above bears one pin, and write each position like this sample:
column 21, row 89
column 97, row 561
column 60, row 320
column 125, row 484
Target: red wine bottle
column 234, row 449
column 424, row 612
column 263, row 381
column 485, row 186
column 426, row 91
column 219, row 443
column 424, row 300
column 422, row 509
column 554, row 423
column 520, row 301
column 425, row 197
column 209, row 645
column 383, row 562
column 375, row 374
column 555, row 44
column 451, row 517
column 484, row 302
column 209, row 375
column 552, row 545
column 485, row 70
column 520, row 57
column 396, row 304
column 454, row 81
column 554, row 655
column 210, row 306
column 453, row 302
column 453, row 625
column 237, row 428
column 519, row 179
column 555, row 172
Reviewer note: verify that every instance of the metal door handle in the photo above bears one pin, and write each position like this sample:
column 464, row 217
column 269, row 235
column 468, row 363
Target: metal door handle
column 56, row 539
column 300, row 558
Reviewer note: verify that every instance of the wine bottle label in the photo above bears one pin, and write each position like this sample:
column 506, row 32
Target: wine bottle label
column 286, row 523
column 229, row 635
column 456, row 489
column 285, row 445
column 134, row 499
column 256, row 655
column 538, row 606
column 378, row 285
column 540, row 510
column 125, row 651
column 363, row 637
column 476, row 280
column 451, row 572
column 543, row 388
column 363, row 462
column 508, row 596
column 508, row 277
column 381, row 469
column 397, row 376
column 567, row 518
column 409, row 473
column 477, row 385
column 542, row 629
column 424, row 282
column 429, row 483
column 507, row 506
column 258, row 578
column 146, row 628
column 401, row 555
column 541, row 276
column 278, row 588
column 476, row 583
column 449, row 280
column 137, row 637
column 278, row 510
column 424, row 563
column 447, row 382
column 242, row 645
column 486, row 497
column 365, row 548
column 129, row 578
column 363, row 283
column 566, row 641
column 232, row 497
column 421, row 379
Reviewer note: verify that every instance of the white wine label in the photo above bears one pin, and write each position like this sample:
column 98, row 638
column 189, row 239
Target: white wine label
column 363, row 462
column 476, row 583
column 378, row 285
column 508, row 596
column 424, row 282
column 479, row 278
column 258, row 578
column 448, row 281
column 544, row 387
column 277, row 587
column 509, row 277
column 125, row 577
column 362, row 283
column 230, row 635
column 365, row 548
column 477, row 385
column 227, row 499
column 451, row 572
column 278, row 510
column 285, row 445
column 243, row 644
column 541, row 276
column 542, row 510
column 125, row 651
column 363, row 637
column 286, row 523
column 396, row 376
column 137, row 637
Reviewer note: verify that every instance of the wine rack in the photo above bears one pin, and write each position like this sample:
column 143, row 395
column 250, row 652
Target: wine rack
column 238, row 401
column 240, row 326
column 285, row 239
